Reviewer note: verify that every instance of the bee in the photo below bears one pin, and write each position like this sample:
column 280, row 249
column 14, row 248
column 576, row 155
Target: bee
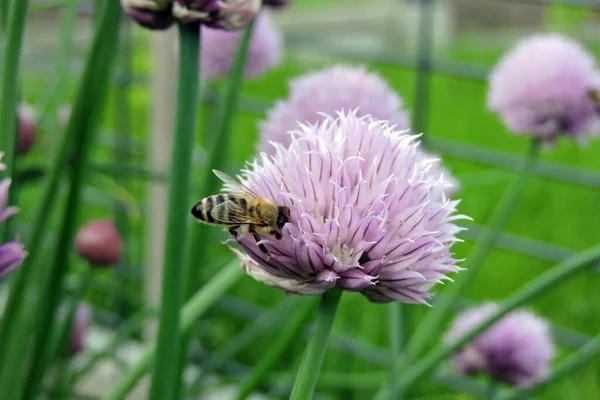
column 242, row 207
column 595, row 95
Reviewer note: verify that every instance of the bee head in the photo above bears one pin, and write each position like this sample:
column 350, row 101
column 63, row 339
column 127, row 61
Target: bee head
column 283, row 216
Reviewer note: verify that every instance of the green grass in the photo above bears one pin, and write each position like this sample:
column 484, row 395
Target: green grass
column 554, row 212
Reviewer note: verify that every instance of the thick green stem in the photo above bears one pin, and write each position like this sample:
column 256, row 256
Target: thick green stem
column 540, row 285
column 9, row 80
column 165, row 379
column 216, row 160
column 395, row 321
column 309, row 370
column 429, row 328
column 276, row 350
column 80, row 132
column 192, row 310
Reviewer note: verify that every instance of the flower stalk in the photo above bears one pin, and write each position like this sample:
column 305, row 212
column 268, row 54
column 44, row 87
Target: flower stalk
column 395, row 321
column 308, row 373
column 429, row 327
column 164, row 378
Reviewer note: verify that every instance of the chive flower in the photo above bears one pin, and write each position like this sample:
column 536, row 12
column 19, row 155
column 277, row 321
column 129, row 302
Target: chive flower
column 151, row 14
column 99, row 243
column 12, row 253
column 366, row 215
column 27, row 129
column 547, row 86
column 315, row 95
column 276, row 4
column 517, row 349
column 219, row 49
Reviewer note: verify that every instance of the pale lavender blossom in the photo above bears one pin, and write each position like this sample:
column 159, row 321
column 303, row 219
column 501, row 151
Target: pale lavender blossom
column 339, row 88
column 12, row 253
column 544, row 87
column 219, row 49
column 366, row 215
column 517, row 349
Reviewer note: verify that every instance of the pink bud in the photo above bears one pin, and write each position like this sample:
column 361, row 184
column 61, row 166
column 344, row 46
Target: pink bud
column 99, row 243
column 27, row 129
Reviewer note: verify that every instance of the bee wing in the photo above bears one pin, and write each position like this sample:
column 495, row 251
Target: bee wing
column 230, row 213
column 234, row 186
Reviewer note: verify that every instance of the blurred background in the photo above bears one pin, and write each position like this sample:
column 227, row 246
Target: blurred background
column 436, row 54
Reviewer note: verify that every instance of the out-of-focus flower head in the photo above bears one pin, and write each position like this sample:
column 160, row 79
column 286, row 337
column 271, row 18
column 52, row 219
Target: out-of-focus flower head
column 317, row 94
column 221, row 14
column 99, row 243
column 366, row 215
column 276, row 4
column 151, row 14
column 228, row 15
column 219, row 49
column 12, row 253
column 517, row 349
column 81, row 323
column 545, row 87
column 27, row 128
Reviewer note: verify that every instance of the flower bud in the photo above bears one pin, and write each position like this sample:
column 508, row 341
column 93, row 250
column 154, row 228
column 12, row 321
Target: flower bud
column 12, row 255
column 27, row 129
column 81, row 323
column 99, row 243
column 151, row 14
column 221, row 14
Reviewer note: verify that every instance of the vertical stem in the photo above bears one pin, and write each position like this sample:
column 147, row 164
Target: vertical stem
column 11, row 55
column 165, row 379
column 216, row 160
column 4, row 7
column 395, row 319
column 421, row 107
column 309, row 370
column 429, row 327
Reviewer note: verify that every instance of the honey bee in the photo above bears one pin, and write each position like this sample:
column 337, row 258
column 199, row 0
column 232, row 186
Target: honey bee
column 242, row 207
column 595, row 95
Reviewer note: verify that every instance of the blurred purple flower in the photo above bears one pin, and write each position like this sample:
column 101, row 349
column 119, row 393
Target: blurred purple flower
column 544, row 87
column 517, row 349
column 219, row 48
column 27, row 129
column 12, row 253
column 339, row 88
column 81, row 323
column 366, row 215
column 100, row 243
column 220, row 14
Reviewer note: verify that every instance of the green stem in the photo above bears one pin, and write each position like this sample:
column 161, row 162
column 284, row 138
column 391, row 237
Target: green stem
column 216, row 160
column 4, row 6
column 192, row 310
column 540, row 285
column 11, row 53
column 276, row 350
column 588, row 352
column 165, row 379
column 81, row 129
column 429, row 328
column 395, row 320
column 308, row 373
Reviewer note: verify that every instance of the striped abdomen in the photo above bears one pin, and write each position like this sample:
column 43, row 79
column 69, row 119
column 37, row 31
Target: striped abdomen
column 203, row 210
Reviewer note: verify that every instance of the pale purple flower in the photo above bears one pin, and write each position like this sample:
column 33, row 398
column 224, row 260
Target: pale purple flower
column 151, row 14
column 11, row 253
column 221, row 14
column 366, row 215
column 339, row 88
column 517, row 349
column 100, row 243
column 219, row 49
column 545, row 87
column 81, row 323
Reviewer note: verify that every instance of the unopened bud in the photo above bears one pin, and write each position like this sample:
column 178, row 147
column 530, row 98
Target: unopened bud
column 99, row 243
column 151, row 14
column 221, row 14
column 27, row 129
column 277, row 3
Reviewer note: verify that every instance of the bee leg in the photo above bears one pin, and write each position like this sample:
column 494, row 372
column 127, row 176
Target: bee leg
column 276, row 234
column 233, row 230
column 260, row 245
